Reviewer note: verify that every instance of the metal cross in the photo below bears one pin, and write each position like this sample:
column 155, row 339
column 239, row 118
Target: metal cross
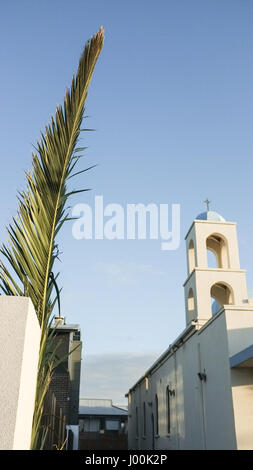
column 207, row 202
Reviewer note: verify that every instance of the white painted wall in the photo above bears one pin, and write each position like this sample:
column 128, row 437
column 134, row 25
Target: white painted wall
column 217, row 393
column 19, row 352
column 212, row 414
column 202, row 415
column 239, row 321
column 242, row 391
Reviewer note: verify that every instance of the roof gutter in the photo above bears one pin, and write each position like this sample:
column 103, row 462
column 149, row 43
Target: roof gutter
column 169, row 351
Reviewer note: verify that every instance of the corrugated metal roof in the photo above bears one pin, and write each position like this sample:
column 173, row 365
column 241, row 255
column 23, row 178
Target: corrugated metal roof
column 102, row 410
column 65, row 327
column 96, row 402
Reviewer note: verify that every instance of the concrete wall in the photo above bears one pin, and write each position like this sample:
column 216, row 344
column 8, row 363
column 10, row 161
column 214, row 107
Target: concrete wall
column 217, row 394
column 19, row 352
column 216, row 413
column 242, row 391
column 201, row 413
column 239, row 324
column 239, row 321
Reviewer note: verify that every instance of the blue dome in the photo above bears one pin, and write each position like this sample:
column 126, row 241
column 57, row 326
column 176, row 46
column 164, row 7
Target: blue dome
column 210, row 215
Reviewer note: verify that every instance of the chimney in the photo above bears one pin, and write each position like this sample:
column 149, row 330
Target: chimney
column 59, row 320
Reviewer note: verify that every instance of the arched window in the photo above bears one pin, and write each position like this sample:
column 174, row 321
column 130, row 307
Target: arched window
column 190, row 301
column 191, row 257
column 168, row 410
column 137, row 421
column 152, row 431
column 156, row 415
column 217, row 252
column 144, row 419
column 221, row 294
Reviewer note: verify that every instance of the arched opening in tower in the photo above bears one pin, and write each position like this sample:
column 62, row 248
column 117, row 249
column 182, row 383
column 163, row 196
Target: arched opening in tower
column 191, row 257
column 221, row 294
column 217, row 252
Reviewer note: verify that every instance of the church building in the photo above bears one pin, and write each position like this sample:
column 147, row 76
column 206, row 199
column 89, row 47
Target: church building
column 199, row 393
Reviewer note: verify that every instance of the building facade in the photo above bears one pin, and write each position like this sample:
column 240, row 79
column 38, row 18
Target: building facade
column 62, row 401
column 103, row 426
column 199, row 393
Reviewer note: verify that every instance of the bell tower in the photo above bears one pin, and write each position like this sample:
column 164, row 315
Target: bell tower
column 208, row 289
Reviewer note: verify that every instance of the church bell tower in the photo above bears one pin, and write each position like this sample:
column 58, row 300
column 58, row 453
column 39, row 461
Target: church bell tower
column 208, row 289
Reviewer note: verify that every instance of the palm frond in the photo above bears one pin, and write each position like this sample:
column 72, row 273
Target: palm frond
column 32, row 248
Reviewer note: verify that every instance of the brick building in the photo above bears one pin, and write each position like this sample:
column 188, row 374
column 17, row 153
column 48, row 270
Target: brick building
column 65, row 382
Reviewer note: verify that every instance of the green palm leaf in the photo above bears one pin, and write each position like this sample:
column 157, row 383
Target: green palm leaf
column 32, row 248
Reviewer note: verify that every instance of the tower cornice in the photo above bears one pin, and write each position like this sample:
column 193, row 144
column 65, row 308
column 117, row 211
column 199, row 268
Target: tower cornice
column 215, row 222
column 217, row 270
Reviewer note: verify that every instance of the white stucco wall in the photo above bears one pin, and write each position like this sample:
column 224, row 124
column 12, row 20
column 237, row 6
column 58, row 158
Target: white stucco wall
column 239, row 322
column 217, row 393
column 202, row 414
column 212, row 414
column 242, row 391
column 19, row 352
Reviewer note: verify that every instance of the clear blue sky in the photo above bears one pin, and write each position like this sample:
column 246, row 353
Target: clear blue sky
column 172, row 104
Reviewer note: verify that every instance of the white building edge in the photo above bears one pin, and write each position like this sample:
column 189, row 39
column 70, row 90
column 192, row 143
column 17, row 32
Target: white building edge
column 199, row 393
